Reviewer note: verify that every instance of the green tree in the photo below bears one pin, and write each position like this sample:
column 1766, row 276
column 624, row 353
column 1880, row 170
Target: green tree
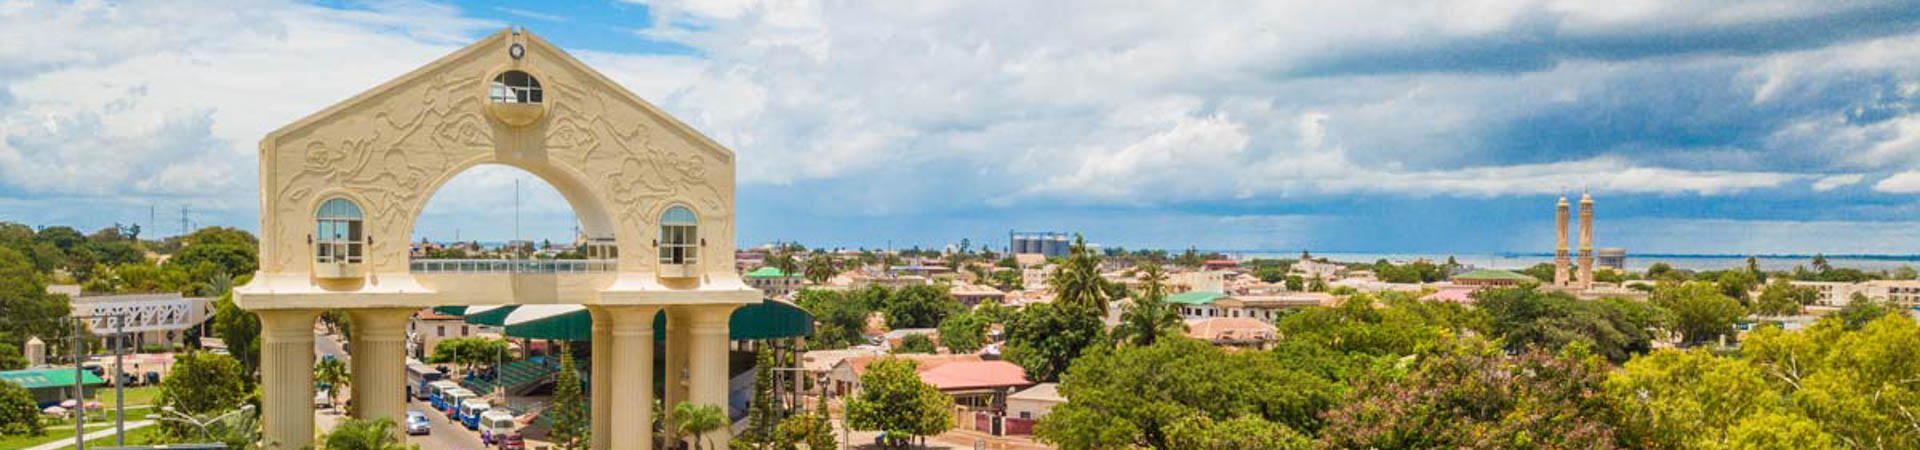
column 201, row 384
column 1044, row 338
column 964, row 333
column 1861, row 310
column 820, row 268
column 894, row 401
column 1737, row 284
column 1527, row 318
column 571, row 425
column 809, row 428
column 697, row 421
column 11, row 358
column 1077, row 281
column 334, row 375
column 234, row 260
column 18, row 415
column 1246, row 432
column 915, row 343
column 841, row 321
column 26, row 309
column 762, row 414
column 1859, row 385
column 469, row 352
column 1295, row 283
column 920, row 306
column 1149, row 318
column 358, row 434
column 1782, row 298
column 1470, row 394
column 240, row 330
column 1686, row 399
column 1127, row 396
column 1700, row 311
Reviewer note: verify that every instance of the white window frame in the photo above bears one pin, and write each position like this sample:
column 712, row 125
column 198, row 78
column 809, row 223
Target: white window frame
column 679, row 236
column 339, row 232
column 503, row 90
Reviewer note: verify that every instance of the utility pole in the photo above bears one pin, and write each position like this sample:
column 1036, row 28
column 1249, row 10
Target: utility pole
column 79, row 381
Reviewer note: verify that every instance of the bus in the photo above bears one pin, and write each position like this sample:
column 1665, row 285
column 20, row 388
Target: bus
column 470, row 411
column 453, row 398
column 419, row 375
column 437, row 393
column 495, row 425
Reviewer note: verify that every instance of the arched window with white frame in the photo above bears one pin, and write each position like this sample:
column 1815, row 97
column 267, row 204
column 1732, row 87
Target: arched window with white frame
column 338, row 236
column 679, row 236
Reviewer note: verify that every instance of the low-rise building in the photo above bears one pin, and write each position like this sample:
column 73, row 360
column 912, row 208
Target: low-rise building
column 50, row 386
column 773, row 281
column 429, row 327
column 1838, row 293
column 1239, row 332
column 1196, row 304
column 973, row 294
column 152, row 320
column 973, row 382
column 1268, row 308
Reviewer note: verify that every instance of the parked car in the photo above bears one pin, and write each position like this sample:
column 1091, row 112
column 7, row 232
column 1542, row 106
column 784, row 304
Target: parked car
column 320, row 399
column 417, row 423
column 512, row 442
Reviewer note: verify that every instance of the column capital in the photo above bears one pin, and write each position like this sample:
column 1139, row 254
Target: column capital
column 627, row 320
column 380, row 324
column 279, row 325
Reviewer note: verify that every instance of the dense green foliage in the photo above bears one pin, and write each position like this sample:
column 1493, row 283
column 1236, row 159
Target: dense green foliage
column 357, row 434
column 840, row 321
column 571, row 427
column 1076, row 282
column 1469, row 394
column 1698, row 311
column 1149, row 317
column 470, row 352
column 18, row 414
column 240, row 330
column 1528, row 319
column 1130, row 396
column 1044, row 338
column 919, row 306
column 964, row 332
column 202, row 384
column 915, row 343
column 894, row 401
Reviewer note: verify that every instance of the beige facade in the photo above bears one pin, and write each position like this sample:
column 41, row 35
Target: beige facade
column 340, row 191
column 1838, row 293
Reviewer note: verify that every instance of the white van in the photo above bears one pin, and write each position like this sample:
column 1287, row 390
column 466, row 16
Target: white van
column 495, row 424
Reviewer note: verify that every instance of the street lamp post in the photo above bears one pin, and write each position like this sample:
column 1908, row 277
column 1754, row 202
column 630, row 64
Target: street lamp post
column 188, row 419
column 79, row 381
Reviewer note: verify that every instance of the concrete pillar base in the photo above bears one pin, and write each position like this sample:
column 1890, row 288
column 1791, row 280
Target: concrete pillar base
column 631, row 388
column 286, row 378
column 379, row 363
column 707, row 362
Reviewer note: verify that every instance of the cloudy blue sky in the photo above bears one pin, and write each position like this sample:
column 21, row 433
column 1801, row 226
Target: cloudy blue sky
column 1759, row 126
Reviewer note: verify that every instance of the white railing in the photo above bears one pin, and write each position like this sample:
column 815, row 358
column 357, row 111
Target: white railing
column 512, row 265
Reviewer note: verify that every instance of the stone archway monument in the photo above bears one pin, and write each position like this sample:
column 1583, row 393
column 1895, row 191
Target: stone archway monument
column 340, row 191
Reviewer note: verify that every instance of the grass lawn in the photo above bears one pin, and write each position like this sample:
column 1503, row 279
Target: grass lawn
column 134, row 437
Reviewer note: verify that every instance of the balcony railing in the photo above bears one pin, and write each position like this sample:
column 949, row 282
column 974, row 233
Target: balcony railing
column 512, row 265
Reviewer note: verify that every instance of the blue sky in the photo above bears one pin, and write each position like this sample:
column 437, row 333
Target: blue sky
column 1766, row 126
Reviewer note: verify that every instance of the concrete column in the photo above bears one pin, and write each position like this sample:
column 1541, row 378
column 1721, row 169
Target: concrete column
column 632, row 390
column 286, row 378
column 676, row 364
column 600, row 394
column 380, row 364
column 707, row 362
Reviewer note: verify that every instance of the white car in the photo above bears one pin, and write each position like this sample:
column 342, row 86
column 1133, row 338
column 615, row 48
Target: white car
column 320, row 400
column 417, row 423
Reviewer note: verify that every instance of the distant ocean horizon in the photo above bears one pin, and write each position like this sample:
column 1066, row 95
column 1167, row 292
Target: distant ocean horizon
column 1634, row 262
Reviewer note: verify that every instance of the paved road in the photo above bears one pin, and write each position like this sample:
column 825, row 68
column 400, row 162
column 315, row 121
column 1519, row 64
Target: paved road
column 64, row 443
column 446, row 434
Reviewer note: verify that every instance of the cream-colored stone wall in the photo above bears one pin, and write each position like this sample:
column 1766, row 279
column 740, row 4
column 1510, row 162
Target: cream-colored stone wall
column 617, row 160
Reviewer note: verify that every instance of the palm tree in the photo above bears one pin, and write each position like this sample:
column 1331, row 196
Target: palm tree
column 784, row 261
column 820, row 268
column 1076, row 282
column 697, row 421
column 1150, row 318
column 356, row 434
column 334, row 374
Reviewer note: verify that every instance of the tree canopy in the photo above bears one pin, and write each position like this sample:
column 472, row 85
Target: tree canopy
column 894, row 401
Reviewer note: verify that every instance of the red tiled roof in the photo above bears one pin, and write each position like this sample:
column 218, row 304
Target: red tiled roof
column 974, row 375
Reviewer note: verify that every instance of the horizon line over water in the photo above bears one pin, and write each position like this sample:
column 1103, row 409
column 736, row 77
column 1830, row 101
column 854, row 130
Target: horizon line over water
column 1634, row 262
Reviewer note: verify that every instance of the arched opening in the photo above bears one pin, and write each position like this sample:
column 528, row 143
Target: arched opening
column 514, row 86
column 500, row 218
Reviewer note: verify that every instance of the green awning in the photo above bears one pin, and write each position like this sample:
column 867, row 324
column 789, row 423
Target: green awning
column 451, row 310
column 769, row 319
column 489, row 315
column 46, row 378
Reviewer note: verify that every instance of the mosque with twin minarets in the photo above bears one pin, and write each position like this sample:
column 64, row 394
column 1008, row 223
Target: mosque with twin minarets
column 1577, row 278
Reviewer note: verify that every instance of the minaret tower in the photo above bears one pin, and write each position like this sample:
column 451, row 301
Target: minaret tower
column 1560, row 259
column 1586, row 241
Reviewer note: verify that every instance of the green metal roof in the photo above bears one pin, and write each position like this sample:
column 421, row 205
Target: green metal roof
column 45, row 378
column 1195, row 297
column 766, row 320
column 496, row 316
column 1491, row 274
column 766, row 272
column 450, row 310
